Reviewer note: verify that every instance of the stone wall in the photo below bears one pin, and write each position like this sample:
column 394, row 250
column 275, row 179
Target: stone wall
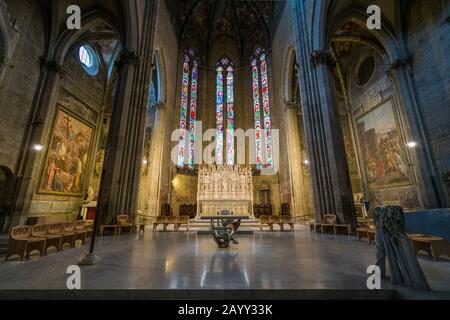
column 364, row 100
column 18, row 87
column 81, row 96
column 428, row 42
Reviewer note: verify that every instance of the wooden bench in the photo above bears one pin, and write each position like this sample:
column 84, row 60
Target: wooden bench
column 53, row 240
column 22, row 243
column 264, row 220
column 434, row 246
column 171, row 220
column 287, row 219
column 329, row 221
column 275, row 220
column 81, row 231
column 183, row 220
column 124, row 221
column 160, row 220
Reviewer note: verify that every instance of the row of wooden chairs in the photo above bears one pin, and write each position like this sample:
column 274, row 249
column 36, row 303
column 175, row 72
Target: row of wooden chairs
column 272, row 220
column 177, row 222
column 329, row 221
column 25, row 239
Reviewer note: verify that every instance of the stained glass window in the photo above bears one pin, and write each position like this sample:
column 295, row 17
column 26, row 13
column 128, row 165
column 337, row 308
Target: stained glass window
column 225, row 67
column 260, row 86
column 193, row 115
column 188, row 86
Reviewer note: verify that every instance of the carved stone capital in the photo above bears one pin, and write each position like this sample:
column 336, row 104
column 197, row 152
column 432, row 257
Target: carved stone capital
column 53, row 66
column 322, row 57
column 399, row 64
column 127, row 58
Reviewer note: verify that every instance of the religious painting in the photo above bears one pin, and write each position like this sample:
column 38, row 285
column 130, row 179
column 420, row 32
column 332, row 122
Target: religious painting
column 67, row 156
column 382, row 148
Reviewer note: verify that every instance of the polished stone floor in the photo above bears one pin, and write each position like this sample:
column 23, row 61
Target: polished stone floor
column 264, row 260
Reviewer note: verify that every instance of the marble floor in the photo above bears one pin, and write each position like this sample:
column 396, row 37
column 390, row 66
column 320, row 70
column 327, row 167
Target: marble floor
column 264, row 260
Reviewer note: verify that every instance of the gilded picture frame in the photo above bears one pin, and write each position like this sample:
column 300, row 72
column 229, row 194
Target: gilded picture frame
column 382, row 147
column 64, row 171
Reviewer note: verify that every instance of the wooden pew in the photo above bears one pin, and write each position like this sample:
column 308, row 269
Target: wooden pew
column 53, row 240
column 22, row 243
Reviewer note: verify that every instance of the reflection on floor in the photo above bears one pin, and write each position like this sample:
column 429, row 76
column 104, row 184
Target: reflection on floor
column 264, row 260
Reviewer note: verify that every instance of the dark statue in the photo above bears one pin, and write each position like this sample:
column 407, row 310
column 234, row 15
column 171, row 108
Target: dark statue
column 392, row 242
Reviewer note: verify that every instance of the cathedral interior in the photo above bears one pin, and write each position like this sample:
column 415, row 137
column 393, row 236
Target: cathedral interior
column 133, row 130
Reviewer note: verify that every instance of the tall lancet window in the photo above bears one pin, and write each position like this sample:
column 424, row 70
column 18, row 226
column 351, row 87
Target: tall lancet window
column 225, row 79
column 260, row 83
column 186, row 141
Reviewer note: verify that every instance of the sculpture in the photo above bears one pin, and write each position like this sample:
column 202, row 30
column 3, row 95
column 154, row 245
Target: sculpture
column 393, row 243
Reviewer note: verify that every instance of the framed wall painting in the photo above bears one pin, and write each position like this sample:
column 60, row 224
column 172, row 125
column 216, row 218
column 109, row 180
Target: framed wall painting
column 382, row 148
column 64, row 171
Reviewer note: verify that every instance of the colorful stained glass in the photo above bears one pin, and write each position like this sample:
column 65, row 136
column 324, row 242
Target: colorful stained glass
column 257, row 113
column 183, row 112
column 193, row 115
column 219, row 116
column 266, row 111
column 230, row 116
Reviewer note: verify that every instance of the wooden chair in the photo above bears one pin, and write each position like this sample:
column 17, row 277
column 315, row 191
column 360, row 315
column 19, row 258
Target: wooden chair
column 328, row 221
column 160, row 220
column 80, row 231
column 367, row 231
column 264, row 220
column 287, row 219
column 66, row 230
column 172, row 220
column 53, row 240
column 275, row 220
column 21, row 243
column 183, row 220
column 124, row 221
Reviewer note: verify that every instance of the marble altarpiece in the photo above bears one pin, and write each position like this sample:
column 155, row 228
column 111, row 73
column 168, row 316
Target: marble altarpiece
column 222, row 187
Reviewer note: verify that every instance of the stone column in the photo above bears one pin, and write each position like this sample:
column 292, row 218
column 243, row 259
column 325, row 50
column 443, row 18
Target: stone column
column 119, row 193
column 330, row 180
column 429, row 185
column 294, row 158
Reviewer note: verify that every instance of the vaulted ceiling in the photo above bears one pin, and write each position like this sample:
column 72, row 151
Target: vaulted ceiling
column 205, row 21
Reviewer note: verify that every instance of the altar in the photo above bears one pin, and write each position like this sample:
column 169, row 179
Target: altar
column 223, row 187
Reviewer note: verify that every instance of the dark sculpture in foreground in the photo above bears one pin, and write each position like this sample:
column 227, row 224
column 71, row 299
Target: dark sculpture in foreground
column 392, row 242
column 223, row 232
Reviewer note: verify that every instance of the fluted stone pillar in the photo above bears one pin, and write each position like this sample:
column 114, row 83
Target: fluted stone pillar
column 119, row 193
column 330, row 180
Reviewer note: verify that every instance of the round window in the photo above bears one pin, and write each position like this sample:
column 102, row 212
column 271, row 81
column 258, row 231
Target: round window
column 88, row 60
column 365, row 71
